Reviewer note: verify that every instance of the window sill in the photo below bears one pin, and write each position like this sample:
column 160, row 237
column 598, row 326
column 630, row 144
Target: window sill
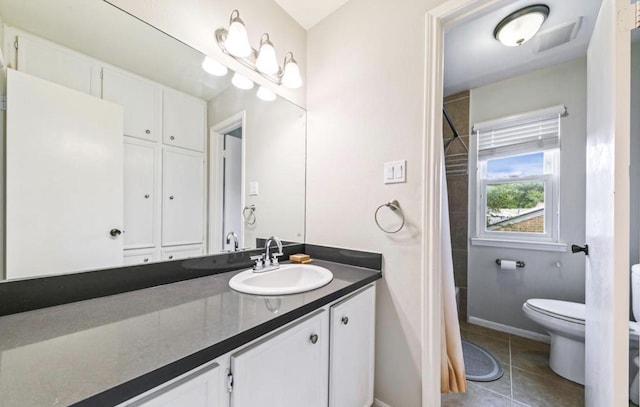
column 519, row 244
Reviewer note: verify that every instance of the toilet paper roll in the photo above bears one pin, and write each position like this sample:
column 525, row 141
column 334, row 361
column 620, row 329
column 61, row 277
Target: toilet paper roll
column 508, row 264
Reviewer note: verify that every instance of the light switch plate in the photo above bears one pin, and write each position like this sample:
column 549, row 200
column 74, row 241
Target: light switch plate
column 253, row 188
column 395, row 172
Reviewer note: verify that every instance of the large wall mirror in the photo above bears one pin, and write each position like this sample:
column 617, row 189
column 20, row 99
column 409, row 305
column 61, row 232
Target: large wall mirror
column 120, row 149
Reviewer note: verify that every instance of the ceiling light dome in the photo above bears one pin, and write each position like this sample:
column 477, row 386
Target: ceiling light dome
column 520, row 26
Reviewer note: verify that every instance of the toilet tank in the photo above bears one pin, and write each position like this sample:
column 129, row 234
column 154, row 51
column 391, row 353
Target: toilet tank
column 635, row 291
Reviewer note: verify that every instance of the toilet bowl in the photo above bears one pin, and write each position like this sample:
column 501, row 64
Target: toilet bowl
column 564, row 321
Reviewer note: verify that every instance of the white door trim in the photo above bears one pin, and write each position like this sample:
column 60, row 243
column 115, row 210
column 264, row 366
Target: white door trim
column 436, row 20
column 215, row 172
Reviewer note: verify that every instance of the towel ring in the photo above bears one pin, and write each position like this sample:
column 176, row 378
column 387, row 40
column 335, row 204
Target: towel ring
column 249, row 218
column 394, row 206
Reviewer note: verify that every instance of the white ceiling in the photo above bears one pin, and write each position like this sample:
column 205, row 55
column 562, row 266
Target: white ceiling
column 473, row 57
column 310, row 12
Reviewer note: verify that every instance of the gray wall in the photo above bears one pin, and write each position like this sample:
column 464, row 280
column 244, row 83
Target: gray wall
column 496, row 295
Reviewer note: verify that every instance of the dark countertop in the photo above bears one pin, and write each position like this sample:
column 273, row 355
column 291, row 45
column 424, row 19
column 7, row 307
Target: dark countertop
column 106, row 350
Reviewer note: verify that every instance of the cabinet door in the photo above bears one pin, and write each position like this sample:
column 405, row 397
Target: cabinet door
column 140, row 192
column 288, row 369
column 184, row 120
column 182, row 253
column 202, row 388
column 140, row 100
column 182, row 197
column 64, row 179
column 352, row 350
column 54, row 63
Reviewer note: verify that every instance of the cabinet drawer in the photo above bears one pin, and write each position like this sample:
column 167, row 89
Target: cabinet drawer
column 135, row 257
column 178, row 253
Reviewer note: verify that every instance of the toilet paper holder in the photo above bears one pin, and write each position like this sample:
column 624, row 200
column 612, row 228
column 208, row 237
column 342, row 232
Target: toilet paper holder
column 519, row 263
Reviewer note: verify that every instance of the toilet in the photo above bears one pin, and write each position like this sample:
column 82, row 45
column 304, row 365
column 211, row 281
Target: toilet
column 564, row 321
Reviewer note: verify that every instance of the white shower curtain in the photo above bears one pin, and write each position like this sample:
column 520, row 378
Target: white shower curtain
column 451, row 361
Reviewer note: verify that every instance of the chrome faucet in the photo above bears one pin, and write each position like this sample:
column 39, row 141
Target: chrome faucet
column 232, row 235
column 267, row 261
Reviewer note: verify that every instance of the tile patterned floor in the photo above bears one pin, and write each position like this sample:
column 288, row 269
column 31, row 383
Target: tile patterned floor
column 527, row 380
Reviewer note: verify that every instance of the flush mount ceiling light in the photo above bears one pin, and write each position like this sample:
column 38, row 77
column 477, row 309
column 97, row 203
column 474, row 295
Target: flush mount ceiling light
column 213, row 67
column 241, row 82
column 234, row 42
column 520, row 26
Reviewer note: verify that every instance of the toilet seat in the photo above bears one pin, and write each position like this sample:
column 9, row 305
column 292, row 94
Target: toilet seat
column 564, row 310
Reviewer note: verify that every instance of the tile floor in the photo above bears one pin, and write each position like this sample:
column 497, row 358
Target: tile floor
column 527, row 379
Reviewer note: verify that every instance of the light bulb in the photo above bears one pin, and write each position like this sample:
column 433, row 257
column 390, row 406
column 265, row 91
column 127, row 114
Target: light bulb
column 237, row 42
column 265, row 94
column 267, row 62
column 241, row 82
column 291, row 76
column 213, row 67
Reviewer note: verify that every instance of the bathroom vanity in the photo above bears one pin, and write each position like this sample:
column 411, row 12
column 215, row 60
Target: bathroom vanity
column 198, row 343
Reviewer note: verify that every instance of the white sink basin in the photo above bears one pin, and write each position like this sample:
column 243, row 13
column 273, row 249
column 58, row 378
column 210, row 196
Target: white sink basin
column 288, row 279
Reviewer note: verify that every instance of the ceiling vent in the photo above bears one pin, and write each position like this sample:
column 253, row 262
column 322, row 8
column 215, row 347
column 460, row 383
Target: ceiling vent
column 556, row 36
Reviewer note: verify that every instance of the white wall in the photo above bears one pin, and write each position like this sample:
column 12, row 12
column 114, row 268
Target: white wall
column 274, row 137
column 496, row 295
column 635, row 152
column 365, row 102
column 194, row 22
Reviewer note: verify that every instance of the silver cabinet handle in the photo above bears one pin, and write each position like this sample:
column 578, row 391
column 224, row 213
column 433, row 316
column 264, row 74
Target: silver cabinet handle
column 345, row 320
column 148, row 131
column 313, row 338
column 115, row 232
column 172, row 138
column 170, row 257
column 171, row 197
column 146, row 196
column 146, row 259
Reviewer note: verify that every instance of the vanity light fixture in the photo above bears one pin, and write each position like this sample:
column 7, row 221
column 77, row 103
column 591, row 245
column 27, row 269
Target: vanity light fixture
column 265, row 94
column 267, row 62
column 234, row 43
column 237, row 41
column 213, row 67
column 520, row 26
column 241, row 82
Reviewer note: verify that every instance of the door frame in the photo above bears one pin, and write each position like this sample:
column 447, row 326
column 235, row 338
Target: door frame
column 436, row 22
column 215, row 179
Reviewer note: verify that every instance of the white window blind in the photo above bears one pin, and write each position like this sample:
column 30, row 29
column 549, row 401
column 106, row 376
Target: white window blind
column 520, row 134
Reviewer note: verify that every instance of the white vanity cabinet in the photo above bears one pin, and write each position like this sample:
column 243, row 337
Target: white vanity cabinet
column 141, row 193
column 287, row 369
column 183, row 120
column 183, row 197
column 352, row 350
column 203, row 387
column 140, row 99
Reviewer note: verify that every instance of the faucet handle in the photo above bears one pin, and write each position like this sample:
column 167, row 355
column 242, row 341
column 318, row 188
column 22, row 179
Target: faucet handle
column 274, row 258
column 259, row 259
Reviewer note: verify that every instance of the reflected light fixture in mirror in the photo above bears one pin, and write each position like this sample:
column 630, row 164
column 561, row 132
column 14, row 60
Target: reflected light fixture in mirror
column 214, row 68
column 241, row 82
column 262, row 61
column 267, row 62
column 237, row 42
column 291, row 76
column 265, row 94
column 520, row 26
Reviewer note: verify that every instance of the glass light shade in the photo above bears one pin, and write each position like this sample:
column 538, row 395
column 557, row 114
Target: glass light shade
column 521, row 26
column 213, row 67
column 265, row 94
column 267, row 62
column 291, row 77
column 237, row 42
column 241, row 82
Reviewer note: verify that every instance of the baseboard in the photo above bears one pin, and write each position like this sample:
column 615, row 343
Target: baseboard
column 509, row 329
column 378, row 403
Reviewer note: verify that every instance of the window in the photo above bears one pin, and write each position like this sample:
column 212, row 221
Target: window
column 518, row 161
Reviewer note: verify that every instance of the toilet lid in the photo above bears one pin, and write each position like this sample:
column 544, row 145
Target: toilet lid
column 565, row 310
